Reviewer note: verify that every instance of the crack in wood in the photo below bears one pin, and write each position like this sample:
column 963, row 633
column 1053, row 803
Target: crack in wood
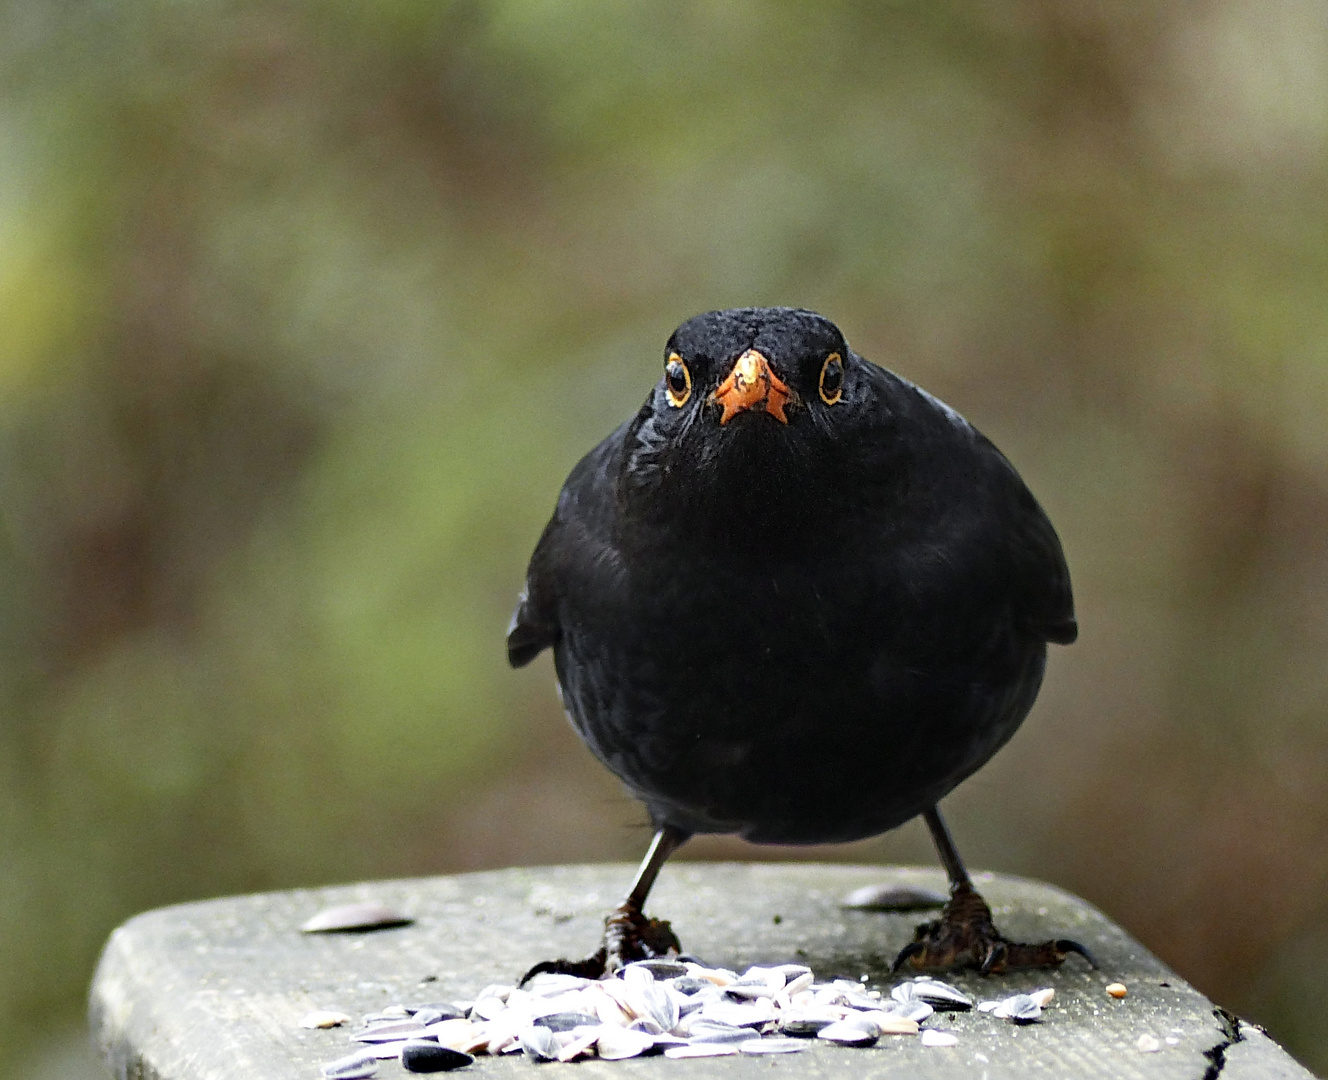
column 1229, row 1024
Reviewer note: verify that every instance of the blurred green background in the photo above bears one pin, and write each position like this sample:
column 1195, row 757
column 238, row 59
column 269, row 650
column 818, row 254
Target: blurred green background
column 307, row 309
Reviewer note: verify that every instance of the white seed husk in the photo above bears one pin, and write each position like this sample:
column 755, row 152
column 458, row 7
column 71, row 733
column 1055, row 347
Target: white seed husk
column 324, row 1018
column 932, row 1037
column 614, row 1044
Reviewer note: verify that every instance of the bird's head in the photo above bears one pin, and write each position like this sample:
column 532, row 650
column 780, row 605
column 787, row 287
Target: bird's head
column 773, row 361
column 750, row 402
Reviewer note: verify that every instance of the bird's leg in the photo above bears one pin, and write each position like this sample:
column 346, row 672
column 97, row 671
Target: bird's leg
column 628, row 934
column 964, row 935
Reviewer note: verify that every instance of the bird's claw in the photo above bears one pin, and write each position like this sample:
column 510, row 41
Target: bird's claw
column 1046, row 954
column 592, row 967
column 965, row 937
column 628, row 936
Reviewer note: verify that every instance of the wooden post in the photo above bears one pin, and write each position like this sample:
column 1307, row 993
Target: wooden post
column 216, row 989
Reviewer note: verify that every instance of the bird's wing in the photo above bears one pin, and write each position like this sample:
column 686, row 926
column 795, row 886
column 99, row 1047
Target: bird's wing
column 1025, row 562
column 576, row 545
column 1044, row 601
column 534, row 626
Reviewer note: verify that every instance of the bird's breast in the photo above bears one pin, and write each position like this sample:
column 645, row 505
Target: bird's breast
column 740, row 696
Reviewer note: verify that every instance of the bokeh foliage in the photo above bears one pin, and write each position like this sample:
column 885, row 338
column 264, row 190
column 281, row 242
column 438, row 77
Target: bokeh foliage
column 306, row 309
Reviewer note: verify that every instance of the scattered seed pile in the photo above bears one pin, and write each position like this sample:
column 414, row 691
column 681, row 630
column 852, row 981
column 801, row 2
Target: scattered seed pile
column 681, row 1009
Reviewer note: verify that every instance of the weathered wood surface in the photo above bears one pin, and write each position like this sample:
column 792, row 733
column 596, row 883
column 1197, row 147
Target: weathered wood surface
column 216, row 989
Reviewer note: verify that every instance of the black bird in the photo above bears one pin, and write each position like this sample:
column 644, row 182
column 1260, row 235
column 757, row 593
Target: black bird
column 799, row 599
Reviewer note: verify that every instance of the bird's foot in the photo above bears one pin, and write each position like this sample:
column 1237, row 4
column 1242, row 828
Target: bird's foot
column 628, row 935
column 965, row 937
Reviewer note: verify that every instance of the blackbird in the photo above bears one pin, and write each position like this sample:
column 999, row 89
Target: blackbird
column 796, row 598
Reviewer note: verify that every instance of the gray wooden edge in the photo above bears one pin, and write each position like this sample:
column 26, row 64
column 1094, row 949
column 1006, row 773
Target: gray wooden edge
column 216, row 989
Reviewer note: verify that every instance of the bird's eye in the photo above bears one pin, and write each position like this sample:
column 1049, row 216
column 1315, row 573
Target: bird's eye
column 832, row 379
column 677, row 381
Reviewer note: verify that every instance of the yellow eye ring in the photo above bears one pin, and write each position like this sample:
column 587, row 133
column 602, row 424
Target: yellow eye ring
column 832, row 379
column 677, row 381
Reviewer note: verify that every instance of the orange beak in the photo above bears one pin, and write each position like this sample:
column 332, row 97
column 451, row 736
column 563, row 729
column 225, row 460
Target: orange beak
column 751, row 383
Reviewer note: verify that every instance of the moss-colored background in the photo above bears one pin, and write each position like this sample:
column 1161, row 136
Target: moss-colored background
column 307, row 308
